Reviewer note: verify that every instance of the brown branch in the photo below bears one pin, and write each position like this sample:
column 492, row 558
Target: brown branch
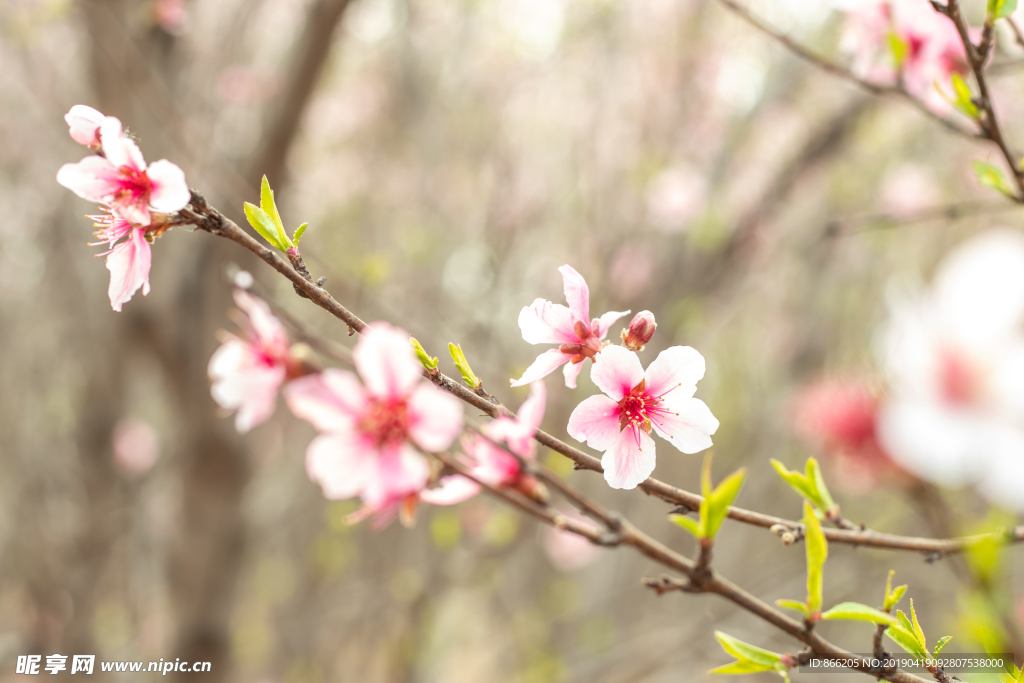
column 841, row 71
column 880, row 221
column 211, row 220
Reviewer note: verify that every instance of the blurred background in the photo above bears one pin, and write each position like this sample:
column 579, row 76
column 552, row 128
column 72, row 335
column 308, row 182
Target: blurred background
column 449, row 156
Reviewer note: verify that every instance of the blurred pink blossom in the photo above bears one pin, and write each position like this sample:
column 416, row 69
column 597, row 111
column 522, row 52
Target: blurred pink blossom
column 490, row 464
column 170, row 15
column 631, row 269
column 674, row 197
column 247, row 372
column 567, row 551
column 907, row 189
column 580, row 338
column 136, row 447
column 370, row 430
column 955, row 360
column 121, row 180
column 84, row 125
column 635, row 402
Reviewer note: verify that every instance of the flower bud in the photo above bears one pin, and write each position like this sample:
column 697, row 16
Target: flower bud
column 640, row 331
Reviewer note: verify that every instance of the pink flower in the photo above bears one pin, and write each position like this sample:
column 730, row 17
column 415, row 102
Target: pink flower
column 493, row 465
column 640, row 331
column 636, row 402
column 121, row 180
column 136, row 447
column 579, row 338
column 246, row 373
column 128, row 262
column 370, row 430
column 84, row 125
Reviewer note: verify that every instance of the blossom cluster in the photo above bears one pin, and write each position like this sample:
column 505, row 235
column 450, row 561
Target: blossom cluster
column 135, row 198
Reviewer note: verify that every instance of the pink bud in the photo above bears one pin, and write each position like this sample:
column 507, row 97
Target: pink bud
column 640, row 331
column 84, row 125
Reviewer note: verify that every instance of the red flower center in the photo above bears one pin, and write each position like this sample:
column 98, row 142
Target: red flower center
column 386, row 422
column 588, row 346
column 638, row 408
column 135, row 186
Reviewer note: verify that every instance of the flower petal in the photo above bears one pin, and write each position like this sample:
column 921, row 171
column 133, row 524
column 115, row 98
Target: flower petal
column 169, row 192
column 543, row 322
column 1002, row 480
column 266, row 328
column 340, row 463
column 331, row 401
column 518, row 433
column 120, row 150
column 605, row 322
column 451, row 490
column 129, row 264
column 572, row 372
column 435, row 418
column 92, row 178
column 933, row 441
column 596, row 422
column 385, row 360
column 394, row 473
column 545, row 364
column 577, row 294
column 83, row 124
column 677, row 370
column 616, row 371
column 241, row 382
column 629, row 460
column 688, row 424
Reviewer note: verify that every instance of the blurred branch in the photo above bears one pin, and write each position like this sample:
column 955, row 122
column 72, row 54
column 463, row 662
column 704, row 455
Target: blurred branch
column 880, row 221
column 211, row 220
column 841, row 71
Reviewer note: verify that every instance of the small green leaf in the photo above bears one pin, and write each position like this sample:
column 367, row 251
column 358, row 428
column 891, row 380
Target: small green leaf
column 687, row 523
column 268, row 204
column 421, row 355
column 299, row 232
column 793, row 605
column 463, row 365
column 742, row 651
column 991, row 177
column 943, row 641
column 263, row 224
column 740, row 667
column 906, row 640
column 719, row 501
column 998, row 9
column 962, row 97
column 918, row 633
column 895, row 596
column 796, row 480
column 899, row 48
column 905, row 622
column 817, row 553
column 813, row 474
column 854, row 611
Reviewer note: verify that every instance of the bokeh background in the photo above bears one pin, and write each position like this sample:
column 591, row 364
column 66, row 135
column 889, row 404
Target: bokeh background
column 449, row 156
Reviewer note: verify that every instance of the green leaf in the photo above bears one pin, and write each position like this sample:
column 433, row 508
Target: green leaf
column 687, row 523
column 898, row 47
column 299, row 232
column 942, row 643
column 717, row 504
column 741, row 667
column 793, row 605
column 744, row 652
column 463, row 365
column 817, row 553
column 796, row 480
column 421, row 355
column 813, row 474
column 991, row 177
column 918, row 633
column 854, row 611
column 962, row 96
column 268, row 204
column 906, row 640
column 904, row 622
column 895, row 596
column 263, row 224
column 997, row 9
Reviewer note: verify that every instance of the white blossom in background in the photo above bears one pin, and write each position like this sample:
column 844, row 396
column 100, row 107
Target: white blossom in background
column 955, row 360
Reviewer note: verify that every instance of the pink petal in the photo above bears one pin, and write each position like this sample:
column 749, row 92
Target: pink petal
column 169, row 191
column 577, row 294
column 616, row 371
column 596, row 422
column 331, row 401
column 689, row 424
column 676, row 369
column 385, row 360
column 268, row 329
column 119, row 149
column 545, row 364
column 629, row 460
column 451, row 490
column 605, row 322
column 491, row 465
column 340, row 463
column 131, row 209
column 543, row 322
column 393, row 473
column 92, row 178
column 83, row 124
column 129, row 264
column 240, row 381
column 435, row 418
column 518, row 433
column 571, row 372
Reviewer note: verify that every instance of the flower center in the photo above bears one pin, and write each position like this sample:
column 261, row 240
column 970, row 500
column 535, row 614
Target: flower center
column 637, row 408
column 588, row 346
column 386, row 422
column 958, row 378
column 135, row 186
